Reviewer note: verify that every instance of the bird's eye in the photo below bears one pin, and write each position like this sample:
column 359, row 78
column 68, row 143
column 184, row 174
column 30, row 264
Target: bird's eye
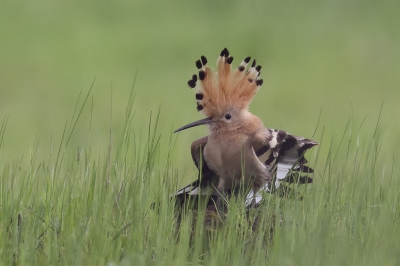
column 228, row 116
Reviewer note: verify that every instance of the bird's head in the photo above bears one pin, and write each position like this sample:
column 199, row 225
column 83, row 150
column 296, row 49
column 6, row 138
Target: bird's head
column 224, row 96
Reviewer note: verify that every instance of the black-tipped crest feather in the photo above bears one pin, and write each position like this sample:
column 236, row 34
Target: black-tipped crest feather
column 203, row 60
column 198, row 64
column 221, row 89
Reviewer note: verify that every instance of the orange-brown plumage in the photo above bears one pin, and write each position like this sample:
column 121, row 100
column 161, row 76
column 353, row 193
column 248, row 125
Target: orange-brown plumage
column 223, row 89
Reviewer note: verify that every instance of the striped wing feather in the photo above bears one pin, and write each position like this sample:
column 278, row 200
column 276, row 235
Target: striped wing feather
column 285, row 156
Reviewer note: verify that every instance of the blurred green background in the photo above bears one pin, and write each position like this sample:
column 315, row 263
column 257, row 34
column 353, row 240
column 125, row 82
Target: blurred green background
column 341, row 56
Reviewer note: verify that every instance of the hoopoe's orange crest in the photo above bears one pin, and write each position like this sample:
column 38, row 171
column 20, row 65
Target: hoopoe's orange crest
column 218, row 91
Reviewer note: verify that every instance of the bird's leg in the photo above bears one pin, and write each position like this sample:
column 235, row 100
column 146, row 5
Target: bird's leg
column 221, row 208
column 253, row 202
column 256, row 189
column 221, row 194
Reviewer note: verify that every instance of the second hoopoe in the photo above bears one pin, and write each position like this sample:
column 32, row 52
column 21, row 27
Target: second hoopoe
column 239, row 151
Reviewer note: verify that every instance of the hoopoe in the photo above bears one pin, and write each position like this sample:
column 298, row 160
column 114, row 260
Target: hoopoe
column 239, row 150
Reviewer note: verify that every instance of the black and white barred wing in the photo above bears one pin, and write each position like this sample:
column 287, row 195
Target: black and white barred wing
column 203, row 186
column 284, row 155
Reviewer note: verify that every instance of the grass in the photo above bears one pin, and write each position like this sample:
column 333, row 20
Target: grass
column 86, row 208
column 339, row 55
column 77, row 180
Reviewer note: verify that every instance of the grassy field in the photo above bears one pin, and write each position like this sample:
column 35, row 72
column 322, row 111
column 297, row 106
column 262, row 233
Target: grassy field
column 91, row 92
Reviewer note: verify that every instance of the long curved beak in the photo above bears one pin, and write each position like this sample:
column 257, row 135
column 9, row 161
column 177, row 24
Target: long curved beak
column 195, row 124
